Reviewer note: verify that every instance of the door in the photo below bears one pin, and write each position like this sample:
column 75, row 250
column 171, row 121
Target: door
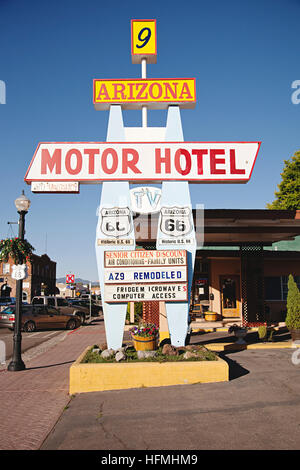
column 56, row 319
column 230, row 296
column 41, row 317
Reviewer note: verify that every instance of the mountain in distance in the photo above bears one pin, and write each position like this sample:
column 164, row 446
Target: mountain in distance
column 78, row 280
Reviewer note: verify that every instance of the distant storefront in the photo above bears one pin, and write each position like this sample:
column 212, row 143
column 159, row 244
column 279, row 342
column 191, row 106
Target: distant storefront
column 41, row 278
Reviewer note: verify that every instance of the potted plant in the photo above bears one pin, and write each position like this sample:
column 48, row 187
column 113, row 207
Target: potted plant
column 19, row 250
column 144, row 337
column 211, row 316
column 292, row 320
column 239, row 332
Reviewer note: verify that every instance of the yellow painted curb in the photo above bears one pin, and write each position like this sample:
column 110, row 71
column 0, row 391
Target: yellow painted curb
column 117, row 376
column 163, row 335
column 240, row 347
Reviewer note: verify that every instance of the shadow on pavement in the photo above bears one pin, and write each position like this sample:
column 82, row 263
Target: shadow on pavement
column 50, row 365
column 235, row 369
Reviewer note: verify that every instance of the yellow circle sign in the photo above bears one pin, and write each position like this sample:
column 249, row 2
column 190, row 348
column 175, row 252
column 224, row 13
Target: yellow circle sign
column 143, row 41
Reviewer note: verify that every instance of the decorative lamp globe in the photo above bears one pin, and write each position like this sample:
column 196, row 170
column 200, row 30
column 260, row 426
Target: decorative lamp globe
column 22, row 203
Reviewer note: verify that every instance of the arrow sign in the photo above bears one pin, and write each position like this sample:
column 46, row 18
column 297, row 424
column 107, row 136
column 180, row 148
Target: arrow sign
column 95, row 162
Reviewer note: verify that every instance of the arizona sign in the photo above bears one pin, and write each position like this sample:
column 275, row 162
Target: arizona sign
column 95, row 162
column 156, row 93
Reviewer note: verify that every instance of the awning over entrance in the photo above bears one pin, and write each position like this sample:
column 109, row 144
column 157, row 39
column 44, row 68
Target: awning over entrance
column 231, row 227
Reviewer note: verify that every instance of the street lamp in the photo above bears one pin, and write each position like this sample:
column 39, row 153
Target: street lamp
column 22, row 204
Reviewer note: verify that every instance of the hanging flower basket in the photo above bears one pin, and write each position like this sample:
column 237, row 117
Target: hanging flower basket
column 19, row 250
column 144, row 337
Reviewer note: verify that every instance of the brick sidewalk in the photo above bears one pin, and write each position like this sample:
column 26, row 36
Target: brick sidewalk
column 33, row 400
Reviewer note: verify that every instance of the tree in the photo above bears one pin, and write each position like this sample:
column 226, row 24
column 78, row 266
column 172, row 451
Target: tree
column 292, row 320
column 288, row 194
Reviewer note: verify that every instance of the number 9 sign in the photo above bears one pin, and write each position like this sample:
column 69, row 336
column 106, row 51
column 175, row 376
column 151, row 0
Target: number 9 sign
column 143, row 41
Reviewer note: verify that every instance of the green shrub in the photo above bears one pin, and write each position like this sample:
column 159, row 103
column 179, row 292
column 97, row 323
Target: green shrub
column 262, row 332
column 138, row 312
column 292, row 320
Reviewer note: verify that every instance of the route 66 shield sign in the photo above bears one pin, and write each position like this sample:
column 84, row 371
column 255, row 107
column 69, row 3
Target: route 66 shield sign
column 116, row 221
column 176, row 221
column 19, row 272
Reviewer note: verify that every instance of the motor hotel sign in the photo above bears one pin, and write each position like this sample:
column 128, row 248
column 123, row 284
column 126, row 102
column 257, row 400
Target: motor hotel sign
column 145, row 275
column 95, row 162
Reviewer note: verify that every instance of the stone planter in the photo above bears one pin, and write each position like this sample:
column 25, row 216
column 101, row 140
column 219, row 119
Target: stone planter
column 240, row 335
column 118, row 376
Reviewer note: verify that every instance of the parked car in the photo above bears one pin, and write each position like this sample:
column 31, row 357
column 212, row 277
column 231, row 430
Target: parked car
column 62, row 306
column 38, row 318
column 96, row 310
column 5, row 301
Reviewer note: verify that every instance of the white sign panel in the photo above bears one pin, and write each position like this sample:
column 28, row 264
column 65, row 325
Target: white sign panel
column 55, row 187
column 143, row 293
column 147, row 274
column 95, row 162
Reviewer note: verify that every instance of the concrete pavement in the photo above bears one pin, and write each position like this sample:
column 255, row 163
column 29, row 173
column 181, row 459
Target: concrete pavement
column 257, row 409
column 32, row 400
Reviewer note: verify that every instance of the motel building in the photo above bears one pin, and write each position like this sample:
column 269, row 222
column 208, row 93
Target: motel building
column 242, row 269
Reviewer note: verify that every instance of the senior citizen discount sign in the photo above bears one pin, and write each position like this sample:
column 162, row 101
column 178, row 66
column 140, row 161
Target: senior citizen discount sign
column 145, row 275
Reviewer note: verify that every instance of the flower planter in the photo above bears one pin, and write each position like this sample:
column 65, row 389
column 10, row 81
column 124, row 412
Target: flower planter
column 141, row 343
column 211, row 316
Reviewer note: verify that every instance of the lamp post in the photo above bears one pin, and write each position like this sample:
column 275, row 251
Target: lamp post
column 22, row 204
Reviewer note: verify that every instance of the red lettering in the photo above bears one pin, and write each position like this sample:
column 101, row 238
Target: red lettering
column 143, row 87
column 51, row 162
column 185, row 91
column 200, row 153
column 91, row 153
column 233, row 169
column 214, row 161
column 151, row 93
column 188, row 161
column 169, row 88
column 103, row 91
column 119, row 88
column 166, row 160
column 78, row 157
column 104, row 159
column 131, row 164
column 130, row 86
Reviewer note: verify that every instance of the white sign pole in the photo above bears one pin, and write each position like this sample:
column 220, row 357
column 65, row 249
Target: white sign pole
column 115, row 199
column 144, row 108
column 176, row 229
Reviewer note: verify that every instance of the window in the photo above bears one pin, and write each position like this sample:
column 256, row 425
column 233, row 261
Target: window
column 6, row 268
column 38, row 302
column 276, row 288
column 62, row 303
column 51, row 302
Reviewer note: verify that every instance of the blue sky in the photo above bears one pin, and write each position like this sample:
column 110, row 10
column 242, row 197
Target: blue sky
column 244, row 56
